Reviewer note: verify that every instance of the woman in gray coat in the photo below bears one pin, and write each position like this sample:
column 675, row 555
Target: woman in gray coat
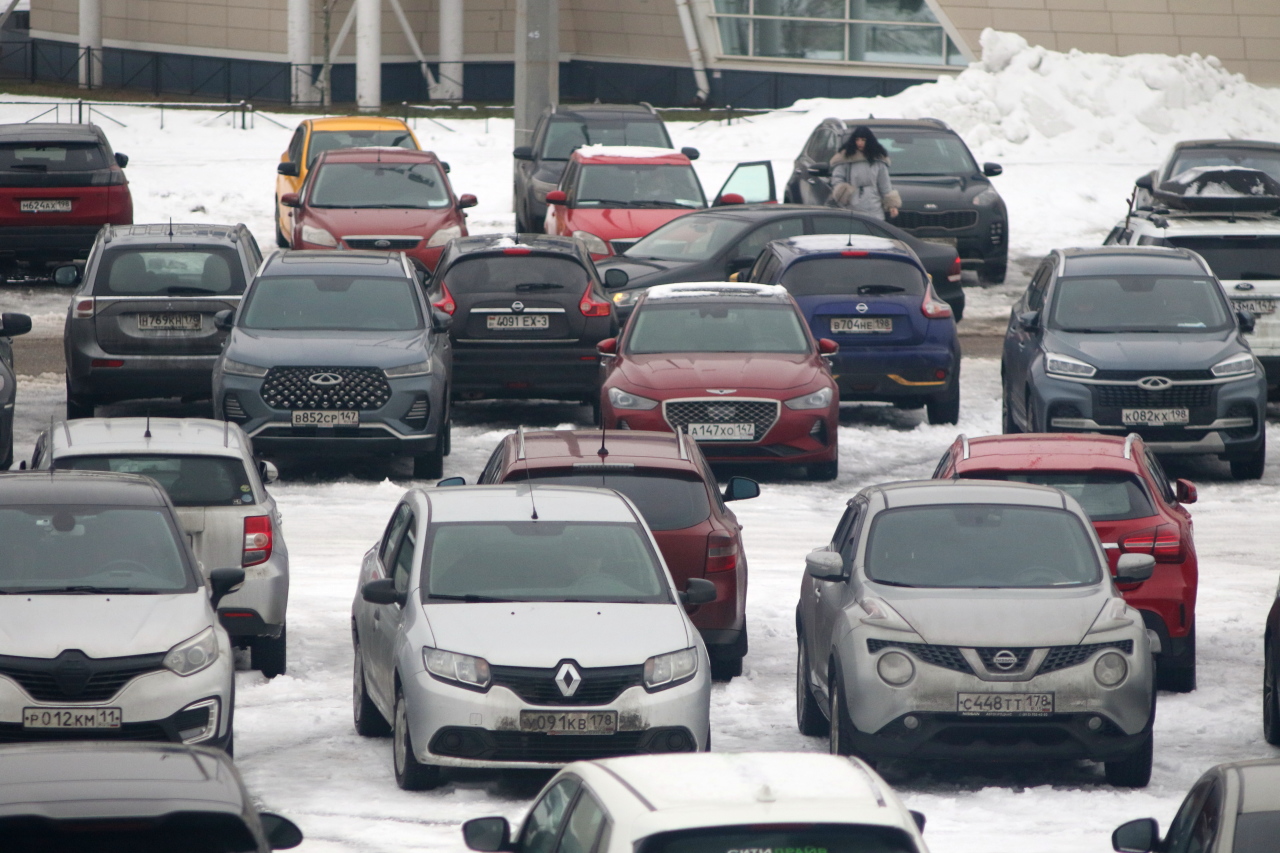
column 860, row 176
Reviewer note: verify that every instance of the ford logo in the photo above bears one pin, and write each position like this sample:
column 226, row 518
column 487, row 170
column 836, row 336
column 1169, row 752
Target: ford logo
column 382, row 244
column 1244, row 285
column 1005, row 659
column 1155, row 383
column 325, row 380
column 861, row 307
column 517, row 306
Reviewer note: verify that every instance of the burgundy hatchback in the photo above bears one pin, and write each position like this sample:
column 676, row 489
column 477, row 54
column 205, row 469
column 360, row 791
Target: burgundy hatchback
column 671, row 484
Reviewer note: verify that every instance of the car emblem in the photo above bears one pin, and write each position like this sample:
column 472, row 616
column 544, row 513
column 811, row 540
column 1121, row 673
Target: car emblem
column 382, row 244
column 568, row 679
column 325, row 380
column 930, row 206
column 1244, row 285
column 1155, row 383
column 1005, row 659
column 722, row 390
column 517, row 306
column 861, row 307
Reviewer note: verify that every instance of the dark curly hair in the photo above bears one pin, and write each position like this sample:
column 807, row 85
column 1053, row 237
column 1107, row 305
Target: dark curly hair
column 873, row 151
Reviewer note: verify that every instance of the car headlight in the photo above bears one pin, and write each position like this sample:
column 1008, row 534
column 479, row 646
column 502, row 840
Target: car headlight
column 987, row 196
column 595, row 245
column 444, row 235
column 668, row 670
column 895, row 668
column 881, row 615
column 626, row 298
column 319, row 236
column 819, row 399
column 1237, row 365
column 191, row 656
column 1065, row 365
column 450, row 666
column 422, row 368
column 620, row 399
column 1110, row 669
column 239, row 368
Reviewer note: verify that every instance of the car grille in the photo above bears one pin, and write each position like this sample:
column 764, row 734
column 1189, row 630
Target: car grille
column 947, row 657
column 1062, row 657
column 1130, row 396
column 950, row 657
column 15, row 733
column 360, row 388
column 509, row 745
column 537, row 686
column 950, row 219
column 383, row 244
column 74, row 677
column 416, row 417
column 988, row 657
column 1135, row 375
column 620, row 246
column 762, row 413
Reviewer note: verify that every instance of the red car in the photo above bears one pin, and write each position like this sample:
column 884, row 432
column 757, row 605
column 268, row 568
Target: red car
column 732, row 365
column 671, row 484
column 389, row 199
column 1134, row 509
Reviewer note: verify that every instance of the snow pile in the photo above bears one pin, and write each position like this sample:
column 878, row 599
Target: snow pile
column 636, row 152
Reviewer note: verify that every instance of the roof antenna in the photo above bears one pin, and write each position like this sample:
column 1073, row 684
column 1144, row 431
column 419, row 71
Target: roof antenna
column 603, row 451
column 52, row 455
column 147, row 432
column 528, row 480
column 170, row 227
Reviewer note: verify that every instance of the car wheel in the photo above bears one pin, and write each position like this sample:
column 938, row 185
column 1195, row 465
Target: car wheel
column 369, row 720
column 945, row 408
column 230, row 748
column 809, row 717
column 430, row 465
column 1007, row 424
column 7, row 459
column 1270, row 709
column 78, row 407
column 1178, row 674
column 1250, row 466
column 994, row 271
column 410, row 774
column 1133, row 771
column 268, row 654
column 281, row 240
column 446, row 438
column 725, row 668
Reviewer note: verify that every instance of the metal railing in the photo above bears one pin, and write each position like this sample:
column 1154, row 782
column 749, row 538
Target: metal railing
column 243, row 113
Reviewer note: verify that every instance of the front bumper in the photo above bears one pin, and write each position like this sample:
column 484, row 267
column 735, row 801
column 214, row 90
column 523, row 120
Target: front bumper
column 894, row 373
column 482, row 370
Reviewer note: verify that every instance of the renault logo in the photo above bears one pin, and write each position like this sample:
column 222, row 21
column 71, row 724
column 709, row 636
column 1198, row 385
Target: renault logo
column 382, row 244
column 1155, row 383
column 1005, row 659
column 861, row 307
column 517, row 306
column 325, row 379
column 568, row 679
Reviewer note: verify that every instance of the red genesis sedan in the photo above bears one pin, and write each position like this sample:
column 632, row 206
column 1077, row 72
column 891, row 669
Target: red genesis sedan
column 1133, row 507
column 388, row 199
column 732, row 365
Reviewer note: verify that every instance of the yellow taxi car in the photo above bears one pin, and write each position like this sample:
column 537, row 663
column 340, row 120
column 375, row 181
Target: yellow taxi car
column 317, row 135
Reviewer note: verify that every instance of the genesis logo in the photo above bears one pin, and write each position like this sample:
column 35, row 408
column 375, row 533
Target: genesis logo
column 861, row 307
column 568, row 679
column 1155, row 383
column 722, row 390
column 1005, row 659
column 325, row 380
column 517, row 306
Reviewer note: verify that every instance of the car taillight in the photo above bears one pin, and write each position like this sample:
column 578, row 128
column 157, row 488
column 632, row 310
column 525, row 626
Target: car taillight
column 954, row 271
column 445, row 303
column 257, row 540
column 516, row 250
column 83, row 309
column 592, row 307
column 933, row 307
column 722, row 553
column 1161, row 542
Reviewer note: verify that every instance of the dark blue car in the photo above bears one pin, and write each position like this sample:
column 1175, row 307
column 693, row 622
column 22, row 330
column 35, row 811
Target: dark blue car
column 872, row 296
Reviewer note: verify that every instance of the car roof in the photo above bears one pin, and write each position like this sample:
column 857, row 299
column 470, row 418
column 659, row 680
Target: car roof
column 580, row 448
column 1050, row 452
column 1131, row 260
column 914, row 123
column 622, row 154
column 838, row 244
column 1259, row 783
column 77, row 779
column 719, row 291
column 497, row 243
column 79, row 487
column 942, row 492
column 513, row 503
column 375, row 154
column 160, row 233
column 1226, row 143
column 61, row 132
column 191, row 436
column 357, row 123
column 329, row 262
column 605, row 111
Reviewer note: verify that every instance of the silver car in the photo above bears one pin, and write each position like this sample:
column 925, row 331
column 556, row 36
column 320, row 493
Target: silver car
column 226, row 512
column 971, row 619
column 518, row 626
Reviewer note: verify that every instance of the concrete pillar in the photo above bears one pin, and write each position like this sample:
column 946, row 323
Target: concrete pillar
column 369, row 55
column 537, row 63
column 90, row 37
column 449, row 85
column 302, row 89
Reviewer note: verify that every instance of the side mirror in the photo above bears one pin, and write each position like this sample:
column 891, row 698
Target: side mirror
column 268, row 471
column 737, row 276
column 1185, row 491
column 826, row 346
column 523, row 152
column 741, row 489
column 691, row 153
column 730, row 198
column 222, row 320
column 608, row 347
column 382, row 591
column 918, row 817
column 66, row 275
column 557, row 197
column 282, row 833
column 452, row 481
column 1136, row 836
column 13, row 324
column 1134, row 568
column 992, row 169
column 467, row 200
column 1246, row 321
column 615, row 278
column 288, row 168
column 223, row 582
column 1029, row 320
column 289, row 199
column 699, row 591
column 738, row 265
column 440, row 321
column 824, row 565
column 487, row 834
column 122, row 160
column 447, row 168
column 1146, row 182
column 819, row 171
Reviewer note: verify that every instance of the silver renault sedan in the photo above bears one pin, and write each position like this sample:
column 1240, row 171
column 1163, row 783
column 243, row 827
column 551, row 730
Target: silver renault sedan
column 519, row 626
column 971, row 619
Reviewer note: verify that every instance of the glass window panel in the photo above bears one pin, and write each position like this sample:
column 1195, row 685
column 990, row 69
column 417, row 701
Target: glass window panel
column 798, row 40
column 733, row 7
column 916, row 11
column 734, row 36
column 801, row 8
column 888, row 43
column 954, row 56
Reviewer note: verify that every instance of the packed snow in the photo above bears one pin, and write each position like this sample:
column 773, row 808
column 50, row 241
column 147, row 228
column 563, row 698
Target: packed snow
column 1072, row 131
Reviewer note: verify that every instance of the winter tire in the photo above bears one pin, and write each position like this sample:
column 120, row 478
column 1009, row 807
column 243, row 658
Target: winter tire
column 446, row 438
column 995, row 271
column 824, row 471
column 945, row 408
column 1133, row 771
column 79, row 407
column 369, row 720
column 430, row 465
column 1250, row 466
column 725, row 668
column 1178, row 675
column 281, row 241
column 1270, row 709
column 410, row 774
column 268, row 654
column 809, row 717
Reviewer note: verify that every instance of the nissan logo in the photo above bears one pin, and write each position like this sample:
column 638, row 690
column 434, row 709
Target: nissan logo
column 861, row 307
column 382, row 244
column 1155, row 383
column 1005, row 659
column 325, row 379
column 517, row 306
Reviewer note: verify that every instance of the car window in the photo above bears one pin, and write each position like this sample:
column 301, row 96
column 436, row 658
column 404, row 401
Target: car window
column 1264, row 160
column 1103, row 495
column 758, row 268
column 493, row 468
column 691, row 238
column 404, row 555
column 782, row 838
column 1162, row 479
column 844, row 526
column 616, row 184
column 943, row 464
column 716, row 327
column 161, row 271
column 189, row 480
column 415, row 186
column 525, row 274
column 843, row 225
column 332, row 302
column 848, row 543
column 332, row 140
column 667, row 500
column 1195, row 826
column 852, row 277
column 395, row 529
column 1139, row 303
column 779, row 229
column 1256, row 832
column 566, row 134
column 192, row 830
column 295, row 145
column 822, row 146
column 1036, row 290
column 1235, row 257
column 914, row 152
column 584, row 825
column 53, row 156
column 542, row 827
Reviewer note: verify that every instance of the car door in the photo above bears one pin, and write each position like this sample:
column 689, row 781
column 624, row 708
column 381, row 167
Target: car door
column 832, row 595
column 542, row 828
column 1196, row 825
column 811, row 595
column 586, row 829
column 1021, row 342
column 753, row 181
column 378, row 636
column 815, row 183
column 289, row 183
column 740, row 255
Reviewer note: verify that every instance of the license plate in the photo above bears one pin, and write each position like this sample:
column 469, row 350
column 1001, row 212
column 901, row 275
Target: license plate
column 722, row 432
column 1004, row 704
column 314, row 418
column 45, row 205
column 518, row 321
column 71, row 718
column 1154, row 417
column 858, row 325
column 941, row 241
column 184, row 322
column 569, row 722
column 1255, row 306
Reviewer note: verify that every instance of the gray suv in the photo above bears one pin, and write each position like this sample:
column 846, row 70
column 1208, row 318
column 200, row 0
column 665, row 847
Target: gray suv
column 140, row 324
column 338, row 354
column 11, row 324
column 1143, row 340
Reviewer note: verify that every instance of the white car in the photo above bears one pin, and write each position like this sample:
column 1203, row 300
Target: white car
column 716, row 803
column 524, row 626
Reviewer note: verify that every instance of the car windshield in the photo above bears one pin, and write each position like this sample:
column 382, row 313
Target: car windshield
column 1233, row 258
column 516, row 274
column 925, row 153
column 186, row 831
column 416, row 186
column 343, row 302
column 1103, row 495
column 1138, row 303
column 52, row 156
column 169, row 271
column 980, row 545
column 189, row 480
column 667, row 500
column 638, row 185
column 1256, row 832
column 542, row 561
column 332, row 140
column 85, row 549
column 784, row 838
column 715, row 327
column 689, row 238
column 852, row 277
column 1241, row 158
column 566, row 135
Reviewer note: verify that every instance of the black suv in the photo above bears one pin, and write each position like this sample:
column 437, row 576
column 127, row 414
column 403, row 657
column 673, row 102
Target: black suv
column 1141, row 340
column 528, row 311
column 560, row 131
column 10, row 325
column 946, row 198
column 140, row 324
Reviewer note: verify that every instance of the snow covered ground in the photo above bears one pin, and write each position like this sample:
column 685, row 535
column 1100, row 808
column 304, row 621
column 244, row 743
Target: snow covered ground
column 1072, row 131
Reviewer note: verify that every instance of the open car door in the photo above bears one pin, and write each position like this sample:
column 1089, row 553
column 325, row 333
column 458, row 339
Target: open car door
column 751, row 183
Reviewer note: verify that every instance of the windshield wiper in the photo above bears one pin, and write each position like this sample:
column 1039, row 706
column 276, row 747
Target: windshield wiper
column 538, row 285
column 80, row 590
column 183, row 288
column 894, row 583
column 34, row 167
column 880, row 288
column 468, row 597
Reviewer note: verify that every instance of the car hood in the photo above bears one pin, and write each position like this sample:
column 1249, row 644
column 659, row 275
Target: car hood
column 101, row 626
column 621, row 223
column 544, row 633
column 352, row 222
column 944, row 190
column 270, row 348
column 999, row 617
column 745, row 372
column 1154, row 352
column 646, row 272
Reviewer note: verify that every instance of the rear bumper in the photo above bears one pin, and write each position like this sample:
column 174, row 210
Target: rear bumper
column 140, row 376
column 894, row 373
column 482, row 370
column 50, row 243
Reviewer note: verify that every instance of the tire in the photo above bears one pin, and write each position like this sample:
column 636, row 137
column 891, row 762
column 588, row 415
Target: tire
column 410, row 774
column 1250, row 467
column 809, row 719
column 1178, row 675
column 446, row 438
column 1270, row 709
column 824, row 471
column 79, row 407
column 268, row 654
column 230, row 748
column 725, row 668
column 7, row 459
column 281, row 241
column 1133, row 771
column 430, row 465
column 368, row 719
column 995, row 271
column 945, row 408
